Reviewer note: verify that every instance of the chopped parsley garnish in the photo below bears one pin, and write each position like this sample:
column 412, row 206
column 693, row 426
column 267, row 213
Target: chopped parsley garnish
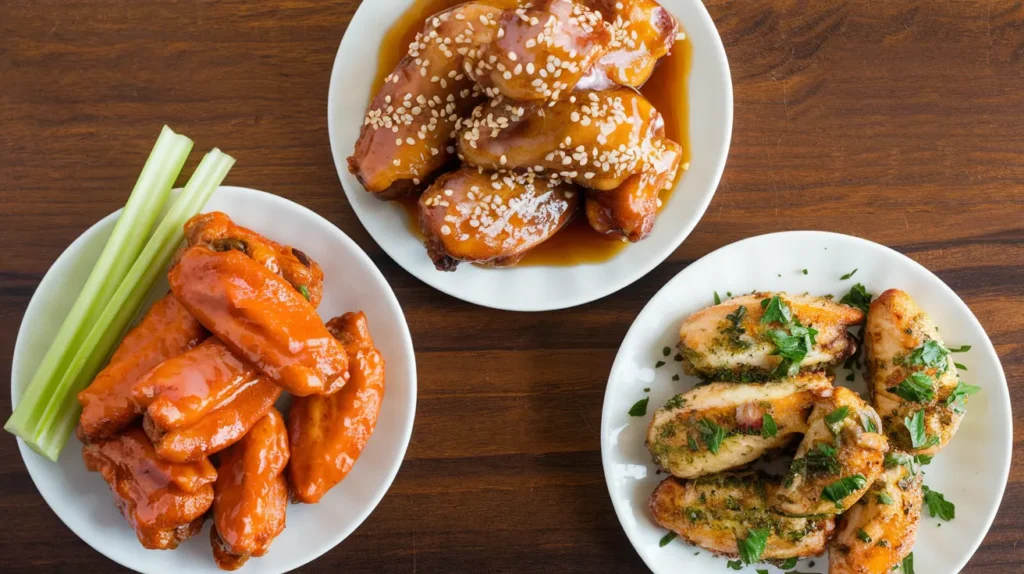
column 960, row 366
column 304, row 291
column 762, row 571
column 718, row 300
column 804, row 271
column 848, row 275
column 639, row 408
column 907, row 566
column 789, row 563
column 867, row 423
column 923, row 459
column 647, row 389
column 675, row 377
column 675, row 402
column 752, row 547
column 961, row 349
column 958, row 398
column 792, row 347
column 916, row 388
column 821, row 460
column 692, row 443
column 938, row 505
column 842, row 488
column 834, row 419
column 735, row 564
column 666, row 351
column 918, row 437
column 894, row 459
column 863, row 536
column 711, row 434
column 776, row 311
column 734, row 331
column 666, row 539
column 678, row 358
column 929, row 354
column 659, row 364
column 768, row 427
column 857, row 297
column 884, row 498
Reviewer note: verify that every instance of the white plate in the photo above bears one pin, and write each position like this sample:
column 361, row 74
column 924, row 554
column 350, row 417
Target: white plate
column 971, row 471
column 535, row 288
column 351, row 282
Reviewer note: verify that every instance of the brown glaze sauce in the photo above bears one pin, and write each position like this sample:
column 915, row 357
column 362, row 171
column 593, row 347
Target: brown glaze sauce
column 577, row 243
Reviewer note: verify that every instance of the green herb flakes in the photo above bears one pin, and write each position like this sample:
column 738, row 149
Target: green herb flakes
column 752, row 547
column 916, row 388
column 639, row 408
column 848, row 275
column 884, row 498
column 776, row 311
column 840, row 489
column 718, row 300
column 857, row 297
column 666, row 539
column 711, row 434
column 768, row 427
column 938, row 505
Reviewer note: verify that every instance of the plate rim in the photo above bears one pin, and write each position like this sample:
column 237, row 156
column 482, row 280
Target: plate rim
column 388, row 295
column 476, row 297
column 989, row 349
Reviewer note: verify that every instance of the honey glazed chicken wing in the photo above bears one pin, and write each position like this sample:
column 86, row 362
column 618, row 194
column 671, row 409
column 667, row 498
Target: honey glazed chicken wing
column 596, row 139
column 166, row 330
column 251, row 494
column 328, row 433
column 261, row 318
column 407, row 134
column 542, row 51
column 642, row 32
column 164, row 502
column 492, row 218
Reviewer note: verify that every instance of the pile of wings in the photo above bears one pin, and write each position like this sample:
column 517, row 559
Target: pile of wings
column 198, row 378
column 767, row 358
column 504, row 120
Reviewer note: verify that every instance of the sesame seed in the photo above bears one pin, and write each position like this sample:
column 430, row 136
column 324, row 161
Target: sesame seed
column 445, row 230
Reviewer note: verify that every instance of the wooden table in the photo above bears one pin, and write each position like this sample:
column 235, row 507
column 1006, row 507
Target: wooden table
column 898, row 121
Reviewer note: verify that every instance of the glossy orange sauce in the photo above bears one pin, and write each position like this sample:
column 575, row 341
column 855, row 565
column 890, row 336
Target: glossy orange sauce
column 577, row 243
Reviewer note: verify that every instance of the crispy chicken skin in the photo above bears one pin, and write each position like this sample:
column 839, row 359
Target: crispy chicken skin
column 408, row 130
column 218, row 429
column 596, row 139
column 630, row 210
column 541, row 52
column 642, row 32
column 251, row 494
column 680, row 432
column 218, row 232
column 714, row 511
column 328, row 434
column 164, row 502
column 492, row 218
column 261, row 318
column 844, row 423
column 715, row 349
column 896, row 328
column 878, row 532
column 165, row 331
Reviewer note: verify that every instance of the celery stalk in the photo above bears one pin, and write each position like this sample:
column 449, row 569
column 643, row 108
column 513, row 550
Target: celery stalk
column 61, row 414
column 122, row 248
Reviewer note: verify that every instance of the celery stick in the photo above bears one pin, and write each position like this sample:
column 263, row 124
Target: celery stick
column 122, row 248
column 62, row 412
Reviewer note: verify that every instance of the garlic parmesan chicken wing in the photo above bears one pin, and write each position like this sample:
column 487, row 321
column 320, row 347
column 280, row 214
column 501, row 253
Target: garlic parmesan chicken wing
column 878, row 532
column 911, row 375
column 729, row 341
column 409, row 127
column 840, row 456
column 251, row 494
column 165, row 502
column 328, row 433
column 491, row 218
column 642, row 32
column 165, row 331
column 541, row 50
column 719, row 426
column 261, row 318
column 596, row 139
column 717, row 511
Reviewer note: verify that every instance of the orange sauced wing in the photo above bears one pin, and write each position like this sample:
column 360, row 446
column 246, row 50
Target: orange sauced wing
column 251, row 494
column 165, row 331
column 261, row 318
column 164, row 502
column 409, row 127
column 492, row 218
column 328, row 433
column 642, row 32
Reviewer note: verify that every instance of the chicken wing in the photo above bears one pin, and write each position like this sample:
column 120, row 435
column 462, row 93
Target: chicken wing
column 328, row 433
column 878, row 532
column 597, row 139
column 541, row 52
column 218, row 232
column 642, row 32
column 166, row 330
column 716, row 512
column 164, row 502
column 251, row 494
column 911, row 374
column 408, row 131
column 838, row 459
column 630, row 210
column 730, row 342
column 719, row 426
column 261, row 318
column 492, row 218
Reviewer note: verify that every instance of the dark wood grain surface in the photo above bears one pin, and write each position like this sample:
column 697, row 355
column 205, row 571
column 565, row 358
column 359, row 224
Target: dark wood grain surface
column 898, row 121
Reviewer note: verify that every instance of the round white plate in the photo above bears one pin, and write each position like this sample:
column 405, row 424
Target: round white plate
column 971, row 471
column 351, row 283
column 535, row 288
